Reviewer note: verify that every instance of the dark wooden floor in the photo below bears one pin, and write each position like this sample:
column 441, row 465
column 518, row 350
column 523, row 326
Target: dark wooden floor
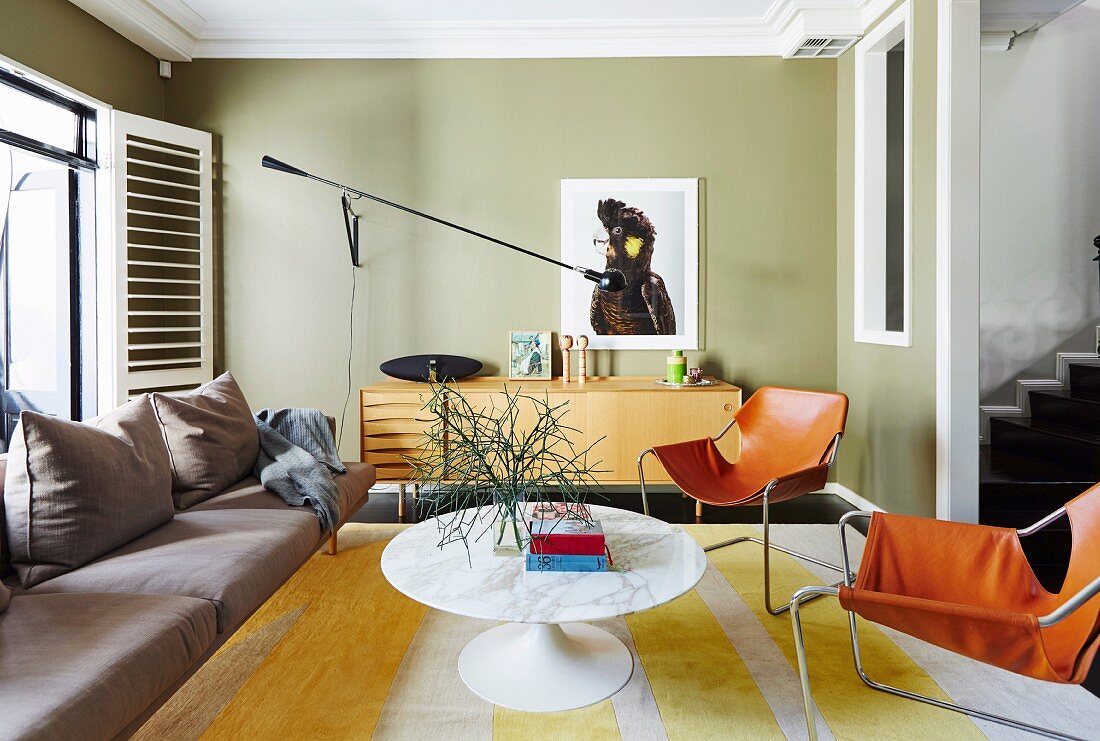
column 670, row 507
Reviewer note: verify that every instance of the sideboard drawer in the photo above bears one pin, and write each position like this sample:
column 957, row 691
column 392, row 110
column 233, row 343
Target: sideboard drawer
column 393, row 426
column 384, row 442
column 391, row 412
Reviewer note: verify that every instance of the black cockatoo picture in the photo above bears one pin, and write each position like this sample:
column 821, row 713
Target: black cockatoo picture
column 643, row 307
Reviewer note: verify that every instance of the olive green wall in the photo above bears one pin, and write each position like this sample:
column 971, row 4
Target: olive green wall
column 889, row 453
column 59, row 40
column 485, row 143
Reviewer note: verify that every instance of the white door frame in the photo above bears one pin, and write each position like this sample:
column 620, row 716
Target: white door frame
column 958, row 136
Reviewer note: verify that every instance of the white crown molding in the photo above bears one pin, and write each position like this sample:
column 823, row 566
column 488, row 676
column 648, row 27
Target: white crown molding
column 167, row 29
column 171, row 30
column 997, row 40
column 182, row 14
column 1022, row 407
column 999, row 30
column 872, row 10
column 798, row 20
column 488, row 39
column 1024, row 22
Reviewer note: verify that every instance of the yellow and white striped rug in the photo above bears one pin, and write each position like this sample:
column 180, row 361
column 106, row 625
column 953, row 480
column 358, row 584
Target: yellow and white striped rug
column 338, row 653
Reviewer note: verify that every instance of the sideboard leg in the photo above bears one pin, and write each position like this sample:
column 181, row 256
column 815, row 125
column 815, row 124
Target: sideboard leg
column 332, row 544
column 401, row 502
column 698, row 508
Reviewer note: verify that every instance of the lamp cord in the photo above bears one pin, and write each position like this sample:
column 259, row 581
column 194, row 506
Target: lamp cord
column 348, row 198
column 351, row 349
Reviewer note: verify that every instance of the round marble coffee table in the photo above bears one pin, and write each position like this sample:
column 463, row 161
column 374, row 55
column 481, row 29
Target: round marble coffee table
column 546, row 657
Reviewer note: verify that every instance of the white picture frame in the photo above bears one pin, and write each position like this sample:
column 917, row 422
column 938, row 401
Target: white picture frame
column 671, row 205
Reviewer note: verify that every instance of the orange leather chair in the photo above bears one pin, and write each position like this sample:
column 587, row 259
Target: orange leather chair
column 789, row 441
column 969, row 589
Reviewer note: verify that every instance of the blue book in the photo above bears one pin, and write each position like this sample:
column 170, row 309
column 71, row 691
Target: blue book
column 554, row 562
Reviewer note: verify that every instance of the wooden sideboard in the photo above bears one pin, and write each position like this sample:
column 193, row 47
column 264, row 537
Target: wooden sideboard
column 630, row 413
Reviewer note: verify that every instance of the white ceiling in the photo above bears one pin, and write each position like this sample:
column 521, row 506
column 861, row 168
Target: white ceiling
column 220, row 11
column 1027, row 7
column 180, row 30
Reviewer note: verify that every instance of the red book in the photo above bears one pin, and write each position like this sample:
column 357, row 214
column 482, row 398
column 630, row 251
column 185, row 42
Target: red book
column 565, row 537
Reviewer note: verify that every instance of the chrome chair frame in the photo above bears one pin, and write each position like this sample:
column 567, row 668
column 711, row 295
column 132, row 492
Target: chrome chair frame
column 766, row 540
column 808, row 593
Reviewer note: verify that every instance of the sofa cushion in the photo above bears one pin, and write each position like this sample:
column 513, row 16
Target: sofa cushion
column 211, row 436
column 234, row 558
column 84, row 666
column 250, row 494
column 76, row 490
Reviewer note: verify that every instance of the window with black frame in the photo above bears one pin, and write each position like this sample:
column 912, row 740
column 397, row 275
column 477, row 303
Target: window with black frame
column 47, row 255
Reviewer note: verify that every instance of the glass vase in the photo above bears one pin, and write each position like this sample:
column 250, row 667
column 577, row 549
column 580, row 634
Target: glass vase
column 509, row 529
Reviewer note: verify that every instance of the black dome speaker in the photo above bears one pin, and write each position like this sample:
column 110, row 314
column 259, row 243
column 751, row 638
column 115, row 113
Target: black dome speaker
column 422, row 367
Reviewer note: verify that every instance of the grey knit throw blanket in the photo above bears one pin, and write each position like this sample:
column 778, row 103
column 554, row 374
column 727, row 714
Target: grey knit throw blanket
column 297, row 460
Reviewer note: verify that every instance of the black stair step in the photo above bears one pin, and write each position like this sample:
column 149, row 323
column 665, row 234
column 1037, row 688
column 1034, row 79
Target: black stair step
column 1019, row 505
column 998, row 466
column 1017, row 519
column 1084, row 381
column 1077, row 449
column 1047, row 552
column 1051, row 576
column 1016, row 491
column 1065, row 408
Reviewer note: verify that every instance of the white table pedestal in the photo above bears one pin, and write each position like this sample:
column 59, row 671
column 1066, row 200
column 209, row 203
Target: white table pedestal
column 545, row 667
column 546, row 656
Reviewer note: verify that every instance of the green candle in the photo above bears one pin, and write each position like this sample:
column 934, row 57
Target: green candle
column 677, row 367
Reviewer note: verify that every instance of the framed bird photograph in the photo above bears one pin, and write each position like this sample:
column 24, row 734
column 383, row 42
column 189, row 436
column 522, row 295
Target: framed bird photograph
column 648, row 229
column 529, row 355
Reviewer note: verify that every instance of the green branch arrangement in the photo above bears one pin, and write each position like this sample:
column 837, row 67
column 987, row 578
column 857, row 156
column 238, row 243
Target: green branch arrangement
column 511, row 452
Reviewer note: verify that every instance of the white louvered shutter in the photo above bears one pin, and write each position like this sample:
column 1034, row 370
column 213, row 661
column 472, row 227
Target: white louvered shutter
column 163, row 331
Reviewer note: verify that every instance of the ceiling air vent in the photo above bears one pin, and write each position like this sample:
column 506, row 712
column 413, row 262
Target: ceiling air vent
column 822, row 47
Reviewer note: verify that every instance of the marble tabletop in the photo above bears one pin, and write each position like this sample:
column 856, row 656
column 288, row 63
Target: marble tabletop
column 660, row 562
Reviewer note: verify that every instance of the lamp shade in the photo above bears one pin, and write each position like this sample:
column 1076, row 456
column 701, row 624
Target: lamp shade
column 612, row 281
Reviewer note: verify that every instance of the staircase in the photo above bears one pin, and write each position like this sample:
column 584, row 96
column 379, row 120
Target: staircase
column 1033, row 465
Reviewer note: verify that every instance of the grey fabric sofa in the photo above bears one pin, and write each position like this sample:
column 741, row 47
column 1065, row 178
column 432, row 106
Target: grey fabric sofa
column 91, row 654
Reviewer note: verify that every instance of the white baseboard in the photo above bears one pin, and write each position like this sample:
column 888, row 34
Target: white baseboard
column 1023, row 405
column 851, row 497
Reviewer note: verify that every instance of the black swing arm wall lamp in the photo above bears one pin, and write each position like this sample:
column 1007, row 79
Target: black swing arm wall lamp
column 609, row 280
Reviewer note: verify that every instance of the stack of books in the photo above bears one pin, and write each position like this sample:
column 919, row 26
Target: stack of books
column 566, row 540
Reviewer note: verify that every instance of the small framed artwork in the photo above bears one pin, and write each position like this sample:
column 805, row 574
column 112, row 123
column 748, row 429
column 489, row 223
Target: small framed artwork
column 529, row 355
column 648, row 229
